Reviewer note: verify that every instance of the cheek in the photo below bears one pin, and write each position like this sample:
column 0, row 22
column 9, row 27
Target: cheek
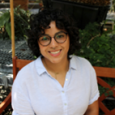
column 42, row 49
column 68, row 45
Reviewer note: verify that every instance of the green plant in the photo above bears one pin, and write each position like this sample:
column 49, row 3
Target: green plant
column 5, row 25
column 99, row 48
column 107, row 91
column 112, row 8
column 21, row 19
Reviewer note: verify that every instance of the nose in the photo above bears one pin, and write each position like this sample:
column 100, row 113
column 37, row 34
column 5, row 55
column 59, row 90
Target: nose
column 53, row 43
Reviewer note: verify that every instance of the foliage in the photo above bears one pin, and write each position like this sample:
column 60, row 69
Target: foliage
column 97, row 47
column 21, row 19
column 113, row 6
column 5, row 25
column 92, row 2
column 105, row 91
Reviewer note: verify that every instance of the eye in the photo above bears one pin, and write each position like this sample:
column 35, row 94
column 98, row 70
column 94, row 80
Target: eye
column 60, row 36
column 44, row 38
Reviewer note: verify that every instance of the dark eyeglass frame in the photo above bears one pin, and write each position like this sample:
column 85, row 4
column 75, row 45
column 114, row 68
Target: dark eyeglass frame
column 53, row 37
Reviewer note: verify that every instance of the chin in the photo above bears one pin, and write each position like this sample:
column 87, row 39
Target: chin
column 55, row 61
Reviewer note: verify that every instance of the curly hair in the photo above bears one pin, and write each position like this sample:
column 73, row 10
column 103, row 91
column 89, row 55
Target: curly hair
column 39, row 22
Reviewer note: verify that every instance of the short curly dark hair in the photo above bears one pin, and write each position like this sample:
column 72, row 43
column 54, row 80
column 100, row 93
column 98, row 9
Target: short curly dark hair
column 39, row 22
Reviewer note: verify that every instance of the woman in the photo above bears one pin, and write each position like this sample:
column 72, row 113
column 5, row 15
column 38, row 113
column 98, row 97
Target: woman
column 55, row 83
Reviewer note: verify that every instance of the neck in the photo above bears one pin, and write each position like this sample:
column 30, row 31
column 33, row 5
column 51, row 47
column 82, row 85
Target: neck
column 56, row 67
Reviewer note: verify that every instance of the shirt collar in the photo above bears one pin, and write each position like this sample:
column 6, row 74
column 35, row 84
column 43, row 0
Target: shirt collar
column 73, row 63
column 39, row 66
column 41, row 69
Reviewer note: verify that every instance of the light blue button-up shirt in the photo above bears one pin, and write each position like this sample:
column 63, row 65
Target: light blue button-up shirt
column 36, row 92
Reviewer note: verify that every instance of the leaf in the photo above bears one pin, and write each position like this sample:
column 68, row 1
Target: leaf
column 8, row 29
column 17, row 8
column 106, row 94
column 4, row 19
column 20, row 18
column 35, row 57
column 110, row 93
column 23, row 11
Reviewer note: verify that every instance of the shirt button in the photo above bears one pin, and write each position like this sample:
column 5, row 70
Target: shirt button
column 62, row 91
column 66, row 79
column 65, row 104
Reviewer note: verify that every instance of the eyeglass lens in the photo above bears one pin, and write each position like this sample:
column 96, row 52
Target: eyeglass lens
column 59, row 37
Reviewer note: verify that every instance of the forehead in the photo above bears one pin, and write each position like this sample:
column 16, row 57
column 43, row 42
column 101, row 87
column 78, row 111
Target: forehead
column 52, row 30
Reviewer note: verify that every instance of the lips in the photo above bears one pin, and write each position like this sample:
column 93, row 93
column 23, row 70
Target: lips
column 55, row 53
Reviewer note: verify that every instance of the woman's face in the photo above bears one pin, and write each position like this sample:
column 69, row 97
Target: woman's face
column 54, row 52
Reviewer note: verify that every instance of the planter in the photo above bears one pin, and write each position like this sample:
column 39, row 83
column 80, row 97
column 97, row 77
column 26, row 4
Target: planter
column 23, row 4
column 82, row 13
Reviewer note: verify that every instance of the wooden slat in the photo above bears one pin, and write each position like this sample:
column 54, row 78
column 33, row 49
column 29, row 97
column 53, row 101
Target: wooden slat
column 104, row 109
column 14, row 67
column 21, row 63
column 5, row 103
column 113, row 111
column 23, row 3
column 109, row 73
column 103, row 83
column 105, row 72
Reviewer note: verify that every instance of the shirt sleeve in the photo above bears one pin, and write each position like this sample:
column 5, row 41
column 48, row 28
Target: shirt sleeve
column 94, row 92
column 20, row 99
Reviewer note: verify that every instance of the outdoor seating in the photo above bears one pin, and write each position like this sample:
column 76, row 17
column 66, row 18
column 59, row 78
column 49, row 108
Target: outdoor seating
column 18, row 64
column 108, row 73
column 101, row 72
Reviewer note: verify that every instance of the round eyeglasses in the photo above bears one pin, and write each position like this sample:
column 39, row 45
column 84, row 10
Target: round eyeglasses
column 59, row 37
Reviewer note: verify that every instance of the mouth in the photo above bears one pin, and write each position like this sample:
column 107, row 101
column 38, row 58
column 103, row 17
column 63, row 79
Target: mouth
column 55, row 53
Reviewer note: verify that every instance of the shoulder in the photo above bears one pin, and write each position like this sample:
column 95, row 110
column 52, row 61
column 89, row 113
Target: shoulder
column 81, row 64
column 27, row 72
column 80, row 61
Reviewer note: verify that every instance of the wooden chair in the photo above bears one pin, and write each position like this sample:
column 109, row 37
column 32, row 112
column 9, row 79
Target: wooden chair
column 100, row 71
column 108, row 73
column 17, row 65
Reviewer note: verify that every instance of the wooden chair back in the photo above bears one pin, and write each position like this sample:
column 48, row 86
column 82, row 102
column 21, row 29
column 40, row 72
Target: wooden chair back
column 100, row 71
column 17, row 65
column 107, row 73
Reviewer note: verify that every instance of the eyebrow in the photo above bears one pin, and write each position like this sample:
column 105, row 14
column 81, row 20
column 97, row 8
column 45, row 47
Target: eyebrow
column 54, row 34
column 48, row 27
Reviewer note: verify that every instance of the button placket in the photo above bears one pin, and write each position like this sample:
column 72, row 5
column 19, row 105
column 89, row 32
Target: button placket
column 64, row 99
column 67, row 79
column 62, row 91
